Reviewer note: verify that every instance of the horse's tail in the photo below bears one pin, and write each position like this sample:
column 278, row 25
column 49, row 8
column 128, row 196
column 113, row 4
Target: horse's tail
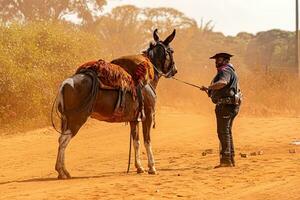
column 58, row 104
column 90, row 100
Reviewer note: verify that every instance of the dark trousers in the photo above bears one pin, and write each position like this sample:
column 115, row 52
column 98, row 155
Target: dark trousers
column 225, row 115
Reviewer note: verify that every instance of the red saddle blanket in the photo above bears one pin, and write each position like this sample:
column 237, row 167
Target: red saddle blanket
column 111, row 75
column 138, row 66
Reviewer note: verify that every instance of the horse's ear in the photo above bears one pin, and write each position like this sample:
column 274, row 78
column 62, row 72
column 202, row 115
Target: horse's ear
column 155, row 36
column 169, row 39
column 151, row 45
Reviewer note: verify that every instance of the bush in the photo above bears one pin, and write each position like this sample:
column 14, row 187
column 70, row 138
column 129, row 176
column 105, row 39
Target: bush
column 34, row 59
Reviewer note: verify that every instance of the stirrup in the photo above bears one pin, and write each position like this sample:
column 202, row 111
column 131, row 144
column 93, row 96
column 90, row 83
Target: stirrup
column 141, row 116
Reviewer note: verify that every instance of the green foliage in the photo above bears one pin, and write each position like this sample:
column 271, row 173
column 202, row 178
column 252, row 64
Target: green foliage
column 274, row 48
column 48, row 10
column 33, row 60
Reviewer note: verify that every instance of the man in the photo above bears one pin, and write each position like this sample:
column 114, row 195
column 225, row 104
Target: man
column 225, row 93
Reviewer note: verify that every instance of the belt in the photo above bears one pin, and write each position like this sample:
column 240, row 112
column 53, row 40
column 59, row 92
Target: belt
column 226, row 101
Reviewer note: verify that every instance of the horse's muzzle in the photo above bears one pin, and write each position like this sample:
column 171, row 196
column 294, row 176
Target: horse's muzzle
column 174, row 71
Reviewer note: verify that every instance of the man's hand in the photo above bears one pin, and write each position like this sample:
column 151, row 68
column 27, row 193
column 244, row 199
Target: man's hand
column 205, row 89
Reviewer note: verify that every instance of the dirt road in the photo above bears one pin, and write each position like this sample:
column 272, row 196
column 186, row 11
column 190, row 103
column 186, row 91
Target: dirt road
column 97, row 160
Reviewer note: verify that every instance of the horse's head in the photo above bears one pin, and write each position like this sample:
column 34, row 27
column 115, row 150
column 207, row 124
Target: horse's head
column 161, row 55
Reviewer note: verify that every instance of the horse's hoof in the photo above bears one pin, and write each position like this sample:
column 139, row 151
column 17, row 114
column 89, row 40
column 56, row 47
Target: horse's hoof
column 140, row 170
column 62, row 177
column 152, row 171
column 67, row 174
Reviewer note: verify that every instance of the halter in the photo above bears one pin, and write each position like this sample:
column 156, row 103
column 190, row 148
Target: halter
column 171, row 65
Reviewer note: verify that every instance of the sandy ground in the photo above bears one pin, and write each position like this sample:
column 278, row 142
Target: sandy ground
column 97, row 160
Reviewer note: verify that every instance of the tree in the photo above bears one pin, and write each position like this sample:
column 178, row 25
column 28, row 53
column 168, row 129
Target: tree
column 128, row 29
column 273, row 48
column 166, row 19
column 121, row 31
column 32, row 10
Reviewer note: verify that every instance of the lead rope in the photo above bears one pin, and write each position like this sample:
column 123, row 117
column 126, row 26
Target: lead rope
column 187, row 83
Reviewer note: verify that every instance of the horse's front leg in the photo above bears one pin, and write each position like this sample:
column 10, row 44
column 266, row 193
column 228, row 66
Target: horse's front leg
column 136, row 145
column 147, row 142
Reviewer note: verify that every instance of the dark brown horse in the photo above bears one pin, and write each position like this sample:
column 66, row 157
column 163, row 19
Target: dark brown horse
column 80, row 97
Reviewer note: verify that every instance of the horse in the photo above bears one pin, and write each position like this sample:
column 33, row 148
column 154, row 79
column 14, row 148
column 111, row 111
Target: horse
column 80, row 97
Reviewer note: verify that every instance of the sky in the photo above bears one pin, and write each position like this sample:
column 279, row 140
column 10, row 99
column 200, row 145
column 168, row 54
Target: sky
column 228, row 16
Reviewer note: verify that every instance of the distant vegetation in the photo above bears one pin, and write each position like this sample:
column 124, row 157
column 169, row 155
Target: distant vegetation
column 38, row 49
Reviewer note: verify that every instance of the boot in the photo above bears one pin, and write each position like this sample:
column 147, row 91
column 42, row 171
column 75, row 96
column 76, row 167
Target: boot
column 233, row 161
column 225, row 162
column 224, row 165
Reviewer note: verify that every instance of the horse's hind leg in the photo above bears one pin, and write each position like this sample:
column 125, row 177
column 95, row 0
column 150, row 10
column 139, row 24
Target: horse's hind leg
column 69, row 129
column 136, row 145
column 63, row 140
column 77, row 95
column 147, row 142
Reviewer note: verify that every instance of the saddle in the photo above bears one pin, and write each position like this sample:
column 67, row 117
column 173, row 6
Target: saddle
column 110, row 76
column 124, row 74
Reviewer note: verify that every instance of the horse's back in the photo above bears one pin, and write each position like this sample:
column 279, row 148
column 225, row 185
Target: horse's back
column 133, row 63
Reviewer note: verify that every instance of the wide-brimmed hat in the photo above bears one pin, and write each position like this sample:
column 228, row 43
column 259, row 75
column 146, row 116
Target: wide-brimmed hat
column 222, row 55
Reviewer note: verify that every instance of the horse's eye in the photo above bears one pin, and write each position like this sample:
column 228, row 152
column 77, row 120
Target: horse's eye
column 171, row 50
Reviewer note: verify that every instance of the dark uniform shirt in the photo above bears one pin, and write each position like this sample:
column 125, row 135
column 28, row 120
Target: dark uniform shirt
column 225, row 73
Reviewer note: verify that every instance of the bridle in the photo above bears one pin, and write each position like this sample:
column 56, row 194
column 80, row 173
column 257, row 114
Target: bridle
column 167, row 51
